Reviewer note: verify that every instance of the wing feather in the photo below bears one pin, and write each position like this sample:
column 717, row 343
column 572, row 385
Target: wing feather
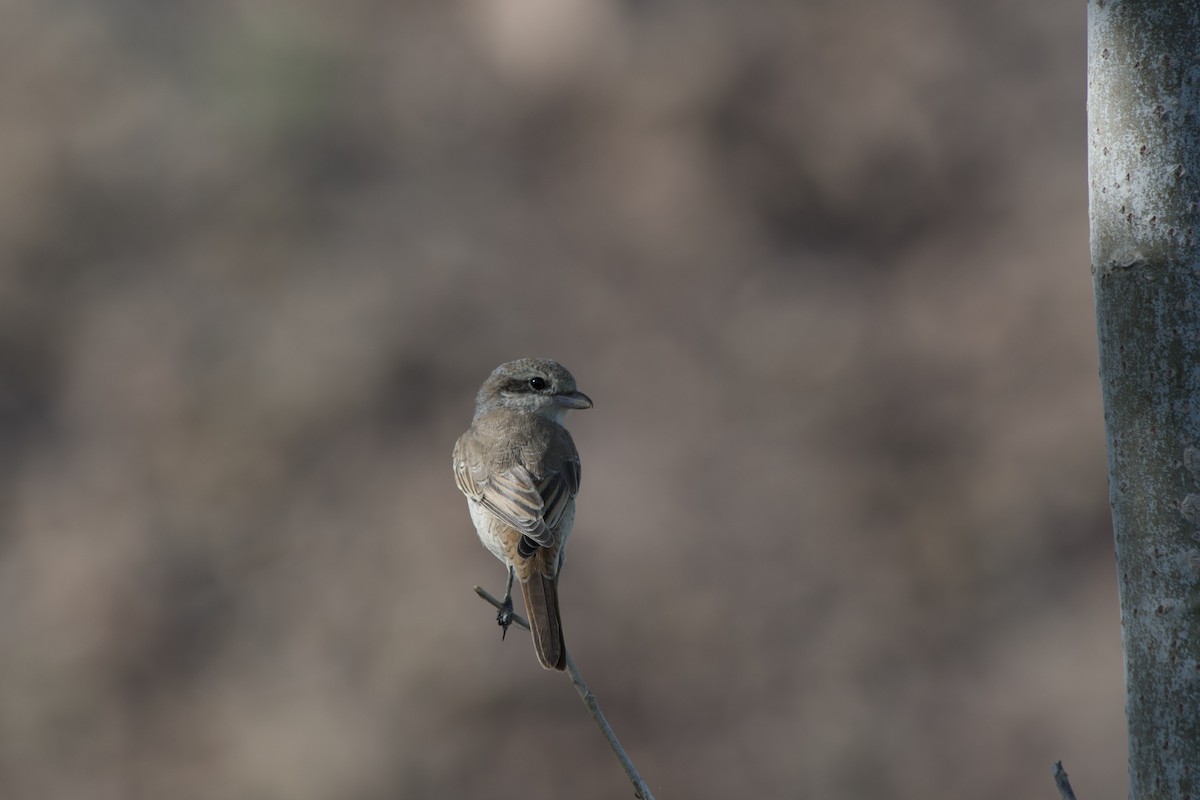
column 526, row 503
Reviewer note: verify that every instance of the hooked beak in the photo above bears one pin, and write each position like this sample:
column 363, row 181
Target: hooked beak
column 573, row 400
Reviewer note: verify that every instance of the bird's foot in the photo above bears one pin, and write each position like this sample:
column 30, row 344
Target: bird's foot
column 504, row 617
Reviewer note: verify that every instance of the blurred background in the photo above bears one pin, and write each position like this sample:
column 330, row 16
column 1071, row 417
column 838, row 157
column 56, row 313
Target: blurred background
column 823, row 267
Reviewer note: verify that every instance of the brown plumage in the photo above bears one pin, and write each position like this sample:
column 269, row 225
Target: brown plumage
column 519, row 470
column 541, row 602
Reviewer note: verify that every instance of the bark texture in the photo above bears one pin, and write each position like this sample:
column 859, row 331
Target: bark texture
column 1144, row 166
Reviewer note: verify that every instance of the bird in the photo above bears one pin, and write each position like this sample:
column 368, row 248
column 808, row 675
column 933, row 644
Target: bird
column 519, row 469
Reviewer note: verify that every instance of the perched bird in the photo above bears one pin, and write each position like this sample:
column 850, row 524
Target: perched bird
column 519, row 469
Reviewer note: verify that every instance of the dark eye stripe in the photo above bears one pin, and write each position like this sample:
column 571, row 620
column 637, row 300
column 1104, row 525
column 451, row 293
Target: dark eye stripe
column 525, row 385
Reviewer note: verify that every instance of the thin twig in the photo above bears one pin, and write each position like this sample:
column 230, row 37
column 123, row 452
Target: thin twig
column 1063, row 783
column 517, row 619
column 593, row 706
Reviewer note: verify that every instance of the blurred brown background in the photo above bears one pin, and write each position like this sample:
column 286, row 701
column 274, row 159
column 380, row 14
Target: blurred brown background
column 822, row 266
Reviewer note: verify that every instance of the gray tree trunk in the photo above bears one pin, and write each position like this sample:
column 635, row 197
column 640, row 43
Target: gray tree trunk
column 1144, row 175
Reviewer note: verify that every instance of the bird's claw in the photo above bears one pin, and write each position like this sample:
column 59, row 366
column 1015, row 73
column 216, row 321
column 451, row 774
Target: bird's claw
column 504, row 617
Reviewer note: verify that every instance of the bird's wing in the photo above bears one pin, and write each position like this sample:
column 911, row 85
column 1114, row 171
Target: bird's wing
column 511, row 494
column 558, row 490
column 530, row 505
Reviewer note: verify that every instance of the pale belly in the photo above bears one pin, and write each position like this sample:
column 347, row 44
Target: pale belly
column 492, row 532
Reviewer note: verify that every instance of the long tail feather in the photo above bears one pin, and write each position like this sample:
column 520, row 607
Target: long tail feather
column 541, row 602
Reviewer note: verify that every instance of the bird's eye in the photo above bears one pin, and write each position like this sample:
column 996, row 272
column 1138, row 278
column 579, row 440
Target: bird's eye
column 537, row 384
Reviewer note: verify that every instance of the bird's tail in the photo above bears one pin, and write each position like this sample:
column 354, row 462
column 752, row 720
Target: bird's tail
column 541, row 602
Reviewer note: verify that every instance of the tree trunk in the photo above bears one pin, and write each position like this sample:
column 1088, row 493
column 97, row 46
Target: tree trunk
column 1144, row 172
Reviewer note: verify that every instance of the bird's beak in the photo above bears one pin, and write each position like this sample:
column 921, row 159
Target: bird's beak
column 573, row 400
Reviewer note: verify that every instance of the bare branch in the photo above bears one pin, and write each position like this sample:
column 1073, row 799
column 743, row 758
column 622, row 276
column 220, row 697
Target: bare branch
column 1063, row 783
column 1143, row 179
column 593, row 706
column 641, row 790
column 517, row 619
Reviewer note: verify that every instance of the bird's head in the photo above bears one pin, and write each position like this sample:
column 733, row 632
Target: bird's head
column 536, row 385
